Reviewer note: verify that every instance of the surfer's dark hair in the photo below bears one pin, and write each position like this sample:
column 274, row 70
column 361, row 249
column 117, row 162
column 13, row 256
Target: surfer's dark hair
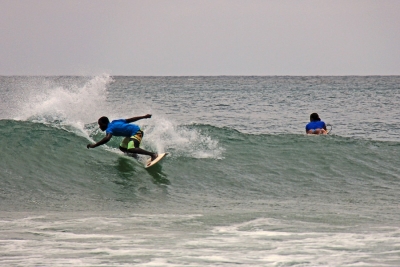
column 314, row 117
column 104, row 120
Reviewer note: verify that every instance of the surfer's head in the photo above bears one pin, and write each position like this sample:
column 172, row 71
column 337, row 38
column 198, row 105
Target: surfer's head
column 103, row 123
column 314, row 117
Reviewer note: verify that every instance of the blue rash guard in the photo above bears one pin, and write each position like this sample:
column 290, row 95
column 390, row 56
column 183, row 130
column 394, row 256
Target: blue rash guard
column 122, row 128
column 313, row 125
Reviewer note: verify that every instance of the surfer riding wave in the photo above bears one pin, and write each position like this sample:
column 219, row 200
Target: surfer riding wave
column 124, row 127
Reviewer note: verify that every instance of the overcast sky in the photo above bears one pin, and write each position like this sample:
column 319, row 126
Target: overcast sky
column 200, row 37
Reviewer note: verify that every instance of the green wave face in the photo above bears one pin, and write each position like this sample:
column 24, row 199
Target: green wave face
column 47, row 168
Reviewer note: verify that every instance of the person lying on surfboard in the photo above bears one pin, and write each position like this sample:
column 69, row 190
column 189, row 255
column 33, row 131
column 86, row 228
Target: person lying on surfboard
column 123, row 127
column 316, row 126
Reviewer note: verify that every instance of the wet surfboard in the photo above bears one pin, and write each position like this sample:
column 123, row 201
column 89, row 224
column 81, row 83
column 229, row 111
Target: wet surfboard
column 150, row 162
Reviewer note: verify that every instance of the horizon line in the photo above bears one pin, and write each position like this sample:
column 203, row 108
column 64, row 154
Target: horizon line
column 222, row 75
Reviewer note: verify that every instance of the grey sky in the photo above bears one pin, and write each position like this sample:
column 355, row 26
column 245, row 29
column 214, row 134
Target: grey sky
column 203, row 37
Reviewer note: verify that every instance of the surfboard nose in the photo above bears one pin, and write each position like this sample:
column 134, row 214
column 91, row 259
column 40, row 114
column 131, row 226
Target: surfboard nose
column 152, row 162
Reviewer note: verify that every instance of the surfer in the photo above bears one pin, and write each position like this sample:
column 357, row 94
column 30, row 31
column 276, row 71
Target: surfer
column 123, row 127
column 316, row 126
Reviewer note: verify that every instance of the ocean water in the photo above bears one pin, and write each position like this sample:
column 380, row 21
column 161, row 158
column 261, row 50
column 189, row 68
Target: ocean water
column 242, row 186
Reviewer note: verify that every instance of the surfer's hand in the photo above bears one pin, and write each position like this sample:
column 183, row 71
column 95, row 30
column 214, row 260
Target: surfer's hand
column 147, row 116
column 90, row 146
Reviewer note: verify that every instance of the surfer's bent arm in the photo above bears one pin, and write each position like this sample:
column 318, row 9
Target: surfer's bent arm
column 138, row 118
column 101, row 142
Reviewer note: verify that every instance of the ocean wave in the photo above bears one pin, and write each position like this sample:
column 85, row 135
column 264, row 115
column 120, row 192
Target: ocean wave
column 50, row 168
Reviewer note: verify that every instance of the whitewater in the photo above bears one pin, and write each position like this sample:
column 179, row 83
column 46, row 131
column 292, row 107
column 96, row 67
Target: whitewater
column 242, row 185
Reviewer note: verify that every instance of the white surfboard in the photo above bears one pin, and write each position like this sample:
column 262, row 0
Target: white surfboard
column 150, row 162
column 329, row 130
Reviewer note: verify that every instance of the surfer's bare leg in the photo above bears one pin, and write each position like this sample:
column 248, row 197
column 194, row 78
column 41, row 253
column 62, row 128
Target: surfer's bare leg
column 317, row 131
column 125, row 150
column 138, row 150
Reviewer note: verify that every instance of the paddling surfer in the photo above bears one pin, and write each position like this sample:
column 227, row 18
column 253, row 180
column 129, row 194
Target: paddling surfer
column 316, row 126
column 123, row 127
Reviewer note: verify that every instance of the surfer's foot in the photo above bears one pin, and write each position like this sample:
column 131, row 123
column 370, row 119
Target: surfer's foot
column 154, row 156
